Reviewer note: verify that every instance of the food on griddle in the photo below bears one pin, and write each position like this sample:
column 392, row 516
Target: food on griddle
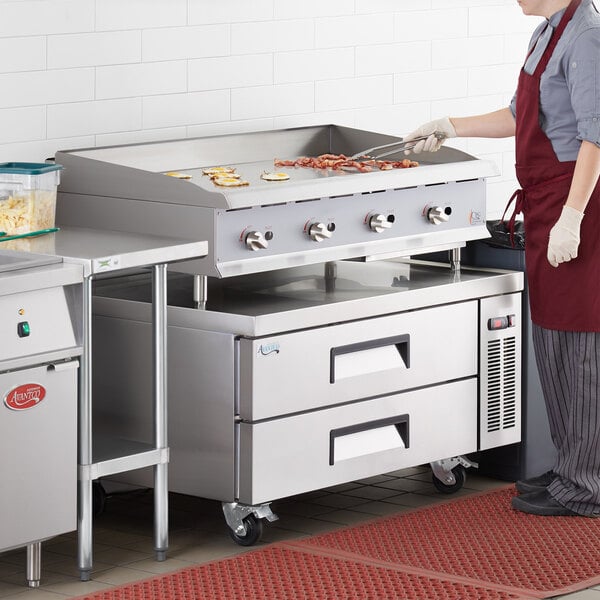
column 227, row 181
column 218, row 170
column 229, row 175
column 387, row 165
column 225, row 177
column 178, row 175
column 275, row 176
column 338, row 162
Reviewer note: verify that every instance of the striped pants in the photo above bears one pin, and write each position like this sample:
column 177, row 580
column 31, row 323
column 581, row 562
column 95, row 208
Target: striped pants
column 569, row 368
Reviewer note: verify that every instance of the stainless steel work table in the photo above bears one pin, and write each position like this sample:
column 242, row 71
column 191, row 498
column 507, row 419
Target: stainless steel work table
column 100, row 252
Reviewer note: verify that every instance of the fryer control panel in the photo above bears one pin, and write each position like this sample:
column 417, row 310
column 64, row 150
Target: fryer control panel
column 35, row 322
column 366, row 219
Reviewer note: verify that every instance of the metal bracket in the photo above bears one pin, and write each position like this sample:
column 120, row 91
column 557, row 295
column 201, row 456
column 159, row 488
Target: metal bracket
column 442, row 469
column 235, row 514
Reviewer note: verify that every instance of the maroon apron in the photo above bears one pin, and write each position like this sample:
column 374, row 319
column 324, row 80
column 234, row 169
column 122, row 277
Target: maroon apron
column 566, row 297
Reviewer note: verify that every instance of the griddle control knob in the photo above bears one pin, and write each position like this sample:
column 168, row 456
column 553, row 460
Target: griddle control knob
column 255, row 240
column 379, row 223
column 438, row 214
column 319, row 232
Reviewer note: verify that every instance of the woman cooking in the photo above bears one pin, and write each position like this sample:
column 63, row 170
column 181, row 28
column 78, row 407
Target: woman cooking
column 555, row 118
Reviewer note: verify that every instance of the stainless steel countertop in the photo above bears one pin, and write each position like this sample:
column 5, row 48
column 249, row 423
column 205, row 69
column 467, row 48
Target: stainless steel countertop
column 100, row 251
column 13, row 261
column 298, row 298
column 22, row 272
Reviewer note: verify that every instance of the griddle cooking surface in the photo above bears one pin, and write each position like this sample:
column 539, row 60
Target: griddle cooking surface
column 252, row 171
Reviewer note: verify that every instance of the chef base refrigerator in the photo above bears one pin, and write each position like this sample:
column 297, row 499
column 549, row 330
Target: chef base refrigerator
column 40, row 328
column 305, row 378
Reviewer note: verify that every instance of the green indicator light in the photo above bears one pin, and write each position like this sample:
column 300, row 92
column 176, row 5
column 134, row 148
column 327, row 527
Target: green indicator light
column 23, row 329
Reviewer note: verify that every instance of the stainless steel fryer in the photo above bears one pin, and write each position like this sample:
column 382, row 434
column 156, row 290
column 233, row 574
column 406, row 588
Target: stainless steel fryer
column 291, row 367
column 41, row 332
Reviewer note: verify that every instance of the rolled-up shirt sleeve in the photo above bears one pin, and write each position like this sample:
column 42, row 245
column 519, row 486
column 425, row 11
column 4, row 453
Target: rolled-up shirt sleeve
column 582, row 72
column 513, row 105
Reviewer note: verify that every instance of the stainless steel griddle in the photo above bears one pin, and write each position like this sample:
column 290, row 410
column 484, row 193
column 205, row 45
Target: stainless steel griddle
column 299, row 358
column 315, row 216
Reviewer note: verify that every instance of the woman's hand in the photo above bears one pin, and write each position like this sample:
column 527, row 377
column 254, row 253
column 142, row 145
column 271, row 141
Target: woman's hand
column 443, row 127
column 564, row 237
column 497, row 124
column 563, row 244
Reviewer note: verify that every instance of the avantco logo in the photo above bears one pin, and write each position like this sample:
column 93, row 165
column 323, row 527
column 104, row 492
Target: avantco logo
column 24, row 396
column 268, row 348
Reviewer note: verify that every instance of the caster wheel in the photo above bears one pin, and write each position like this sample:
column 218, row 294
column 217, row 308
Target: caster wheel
column 460, row 475
column 98, row 498
column 254, row 529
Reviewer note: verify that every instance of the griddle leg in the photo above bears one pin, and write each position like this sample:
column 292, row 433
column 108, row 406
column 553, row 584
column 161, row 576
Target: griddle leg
column 200, row 291
column 34, row 564
column 330, row 277
column 455, row 259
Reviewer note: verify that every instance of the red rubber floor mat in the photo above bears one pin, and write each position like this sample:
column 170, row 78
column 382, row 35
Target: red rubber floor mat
column 279, row 573
column 482, row 539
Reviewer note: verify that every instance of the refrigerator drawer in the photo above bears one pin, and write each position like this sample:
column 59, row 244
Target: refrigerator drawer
column 282, row 457
column 38, row 453
column 320, row 367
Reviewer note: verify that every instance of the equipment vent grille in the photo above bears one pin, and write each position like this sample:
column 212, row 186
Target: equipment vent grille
column 501, row 384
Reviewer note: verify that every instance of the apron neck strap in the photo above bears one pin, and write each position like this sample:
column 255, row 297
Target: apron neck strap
column 557, row 34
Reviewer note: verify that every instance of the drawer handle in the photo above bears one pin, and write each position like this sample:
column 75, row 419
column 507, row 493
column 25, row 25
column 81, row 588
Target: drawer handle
column 367, row 438
column 369, row 357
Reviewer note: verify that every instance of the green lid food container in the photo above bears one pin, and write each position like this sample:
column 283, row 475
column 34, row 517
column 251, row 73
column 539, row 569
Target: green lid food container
column 27, row 196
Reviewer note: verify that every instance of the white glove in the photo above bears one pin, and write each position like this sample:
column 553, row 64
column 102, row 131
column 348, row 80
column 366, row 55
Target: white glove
column 432, row 143
column 564, row 236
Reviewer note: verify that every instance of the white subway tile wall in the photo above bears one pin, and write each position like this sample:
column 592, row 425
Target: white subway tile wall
column 79, row 73
column 92, row 49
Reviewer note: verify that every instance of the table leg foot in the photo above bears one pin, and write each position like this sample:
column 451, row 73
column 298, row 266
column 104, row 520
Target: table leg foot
column 161, row 555
column 34, row 564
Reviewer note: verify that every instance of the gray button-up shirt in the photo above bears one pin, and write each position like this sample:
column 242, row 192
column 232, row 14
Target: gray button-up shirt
column 570, row 86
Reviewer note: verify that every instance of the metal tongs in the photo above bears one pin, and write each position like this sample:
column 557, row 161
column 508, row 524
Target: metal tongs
column 7, row 238
column 399, row 145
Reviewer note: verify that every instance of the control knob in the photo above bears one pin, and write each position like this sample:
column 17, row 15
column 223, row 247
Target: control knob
column 319, row 232
column 438, row 215
column 379, row 223
column 255, row 240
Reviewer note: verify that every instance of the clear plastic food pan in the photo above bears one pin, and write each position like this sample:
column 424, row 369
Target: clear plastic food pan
column 27, row 196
